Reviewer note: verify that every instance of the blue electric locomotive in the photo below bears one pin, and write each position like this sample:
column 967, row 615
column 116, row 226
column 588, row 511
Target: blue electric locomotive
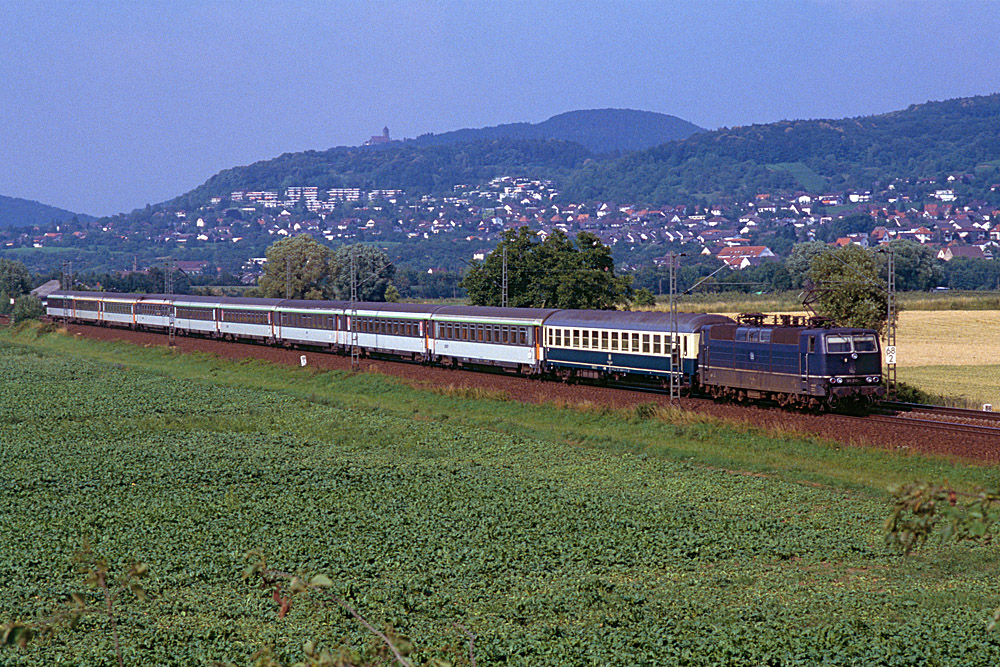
column 792, row 362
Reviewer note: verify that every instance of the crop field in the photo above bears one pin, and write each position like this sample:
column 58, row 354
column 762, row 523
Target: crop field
column 555, row 535
column 952, row 353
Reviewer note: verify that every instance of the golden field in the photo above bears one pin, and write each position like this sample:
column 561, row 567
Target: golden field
column 953, row 353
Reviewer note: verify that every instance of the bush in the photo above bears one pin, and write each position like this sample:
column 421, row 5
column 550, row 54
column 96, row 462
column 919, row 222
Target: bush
column 28, row 307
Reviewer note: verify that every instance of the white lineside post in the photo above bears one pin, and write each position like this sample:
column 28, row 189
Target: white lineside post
column 674, row 343
column 353, row 323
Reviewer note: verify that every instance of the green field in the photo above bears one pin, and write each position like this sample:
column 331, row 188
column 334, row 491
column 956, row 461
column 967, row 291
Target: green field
column 556, row 534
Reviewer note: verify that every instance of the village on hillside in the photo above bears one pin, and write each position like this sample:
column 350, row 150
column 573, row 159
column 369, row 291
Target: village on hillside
column 740, row 234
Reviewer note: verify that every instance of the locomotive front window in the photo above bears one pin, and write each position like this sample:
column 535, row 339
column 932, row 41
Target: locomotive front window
column 865, row 344
column 836, row 344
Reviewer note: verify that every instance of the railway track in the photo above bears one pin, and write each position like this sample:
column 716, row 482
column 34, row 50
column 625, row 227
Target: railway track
column 953, row 427
column 942, row 411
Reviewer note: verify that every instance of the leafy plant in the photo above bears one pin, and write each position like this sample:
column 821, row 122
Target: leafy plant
column 97, row 575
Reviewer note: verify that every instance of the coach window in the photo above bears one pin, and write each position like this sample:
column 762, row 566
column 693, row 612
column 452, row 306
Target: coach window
column 614, row 340
column 657, row 347
column 585, row 340
column 496, row 333
column 635, row 342
column 645, row 343
column 576, row 338
column 558, row 337
column 604, row 340
column 479, row 333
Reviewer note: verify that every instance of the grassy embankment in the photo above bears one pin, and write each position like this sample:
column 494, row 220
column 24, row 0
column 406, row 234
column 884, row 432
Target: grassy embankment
column 557, row 534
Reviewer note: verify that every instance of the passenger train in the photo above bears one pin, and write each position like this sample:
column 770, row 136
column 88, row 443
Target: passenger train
column 791, row 361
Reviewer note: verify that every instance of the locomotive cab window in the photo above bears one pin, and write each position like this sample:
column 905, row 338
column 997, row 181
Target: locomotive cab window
column 765, row 336
column 865, row 344
column 836, row 344
column 812, row 344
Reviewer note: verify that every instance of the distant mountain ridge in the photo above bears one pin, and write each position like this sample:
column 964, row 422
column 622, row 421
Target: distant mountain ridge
column 16, row 212
column 929, row 140
column 932, row 140
column 599, row 130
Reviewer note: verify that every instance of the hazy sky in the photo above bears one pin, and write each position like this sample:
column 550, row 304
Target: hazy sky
column 110, row 105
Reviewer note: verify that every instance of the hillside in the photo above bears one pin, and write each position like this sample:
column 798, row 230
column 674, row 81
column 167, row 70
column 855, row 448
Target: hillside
column 406, row 166
column 931, row 140
column 15, row 212
column 600, row 130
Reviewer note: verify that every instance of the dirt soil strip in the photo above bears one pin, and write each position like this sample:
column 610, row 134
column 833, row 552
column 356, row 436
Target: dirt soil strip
column 852, row 431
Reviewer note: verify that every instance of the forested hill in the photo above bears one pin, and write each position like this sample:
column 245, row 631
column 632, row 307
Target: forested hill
column 600, row 130
column 932, row 140
column 935, row 139
column 399, row 165
column 15, row 212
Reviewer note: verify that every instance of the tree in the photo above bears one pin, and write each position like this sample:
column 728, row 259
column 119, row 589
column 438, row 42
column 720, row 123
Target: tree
column 917, row 267
column 14, row 278
column 644, row 298
column 554, row 273
column 373, row 271
column 28, row 307
column 391, row 294
column 851, row 291
column 799, row 262
column 299, row 268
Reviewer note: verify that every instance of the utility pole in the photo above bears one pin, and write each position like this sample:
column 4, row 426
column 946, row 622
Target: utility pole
column 67, row 284
column 890, row 331
column 355, row 360
column 503, row 295
column 168, row 288
column 288, row 277
column 674, row 370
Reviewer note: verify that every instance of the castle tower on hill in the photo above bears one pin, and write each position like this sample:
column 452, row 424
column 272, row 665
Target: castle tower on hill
column 379, row 139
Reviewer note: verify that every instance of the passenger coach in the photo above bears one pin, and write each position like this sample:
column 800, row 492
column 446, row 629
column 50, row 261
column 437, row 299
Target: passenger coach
column 599, row 343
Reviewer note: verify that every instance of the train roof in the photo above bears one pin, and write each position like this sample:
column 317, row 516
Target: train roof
column 633, row 320
column 62, row 294
column 489, row 313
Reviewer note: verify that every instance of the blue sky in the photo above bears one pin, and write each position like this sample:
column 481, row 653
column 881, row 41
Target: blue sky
column 111, row 105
